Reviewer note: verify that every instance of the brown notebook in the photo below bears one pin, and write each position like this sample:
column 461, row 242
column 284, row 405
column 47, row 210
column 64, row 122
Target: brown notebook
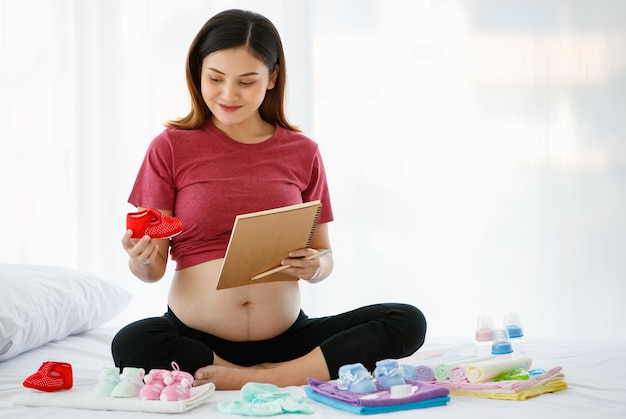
column 260, row 240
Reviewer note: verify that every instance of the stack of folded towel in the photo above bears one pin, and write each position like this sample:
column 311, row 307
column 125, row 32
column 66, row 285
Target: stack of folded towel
column 423, row 395
column 548, row 382
column 476, row 376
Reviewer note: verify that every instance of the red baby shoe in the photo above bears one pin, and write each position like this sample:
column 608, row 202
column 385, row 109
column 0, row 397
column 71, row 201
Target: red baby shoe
column 153, row 223
column 51, row 376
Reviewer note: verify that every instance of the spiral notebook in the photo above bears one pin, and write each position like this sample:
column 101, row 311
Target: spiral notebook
column 260, row 240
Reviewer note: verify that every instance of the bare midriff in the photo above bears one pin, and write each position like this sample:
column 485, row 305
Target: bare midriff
column 249, row 313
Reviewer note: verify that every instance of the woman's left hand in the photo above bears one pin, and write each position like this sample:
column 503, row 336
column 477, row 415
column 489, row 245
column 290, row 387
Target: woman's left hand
column 303, row 263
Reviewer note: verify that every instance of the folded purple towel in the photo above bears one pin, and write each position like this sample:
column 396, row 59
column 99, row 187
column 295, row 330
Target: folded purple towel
column 424, row 373
column 372, row 410
column 424, row 391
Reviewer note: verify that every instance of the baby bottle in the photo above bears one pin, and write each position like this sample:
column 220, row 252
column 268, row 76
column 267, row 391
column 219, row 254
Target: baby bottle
column 514, row 327
column 501, row 344
column 484, row 336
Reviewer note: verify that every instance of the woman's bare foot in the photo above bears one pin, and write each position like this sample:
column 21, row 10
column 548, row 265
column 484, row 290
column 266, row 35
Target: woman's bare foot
column 227, row 378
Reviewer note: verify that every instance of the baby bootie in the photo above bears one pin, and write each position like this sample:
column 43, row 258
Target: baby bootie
column 178, row 385
column 355, row 378
column 153, row 223
column 108, row 379
column 388, row 373
column 154, row 384
column 51, row 376
column 131, row 383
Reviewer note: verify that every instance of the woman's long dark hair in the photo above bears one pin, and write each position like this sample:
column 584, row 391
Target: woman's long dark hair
column 231, row 29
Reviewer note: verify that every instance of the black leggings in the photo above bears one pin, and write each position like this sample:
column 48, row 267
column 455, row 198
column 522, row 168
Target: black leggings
column 364, row 335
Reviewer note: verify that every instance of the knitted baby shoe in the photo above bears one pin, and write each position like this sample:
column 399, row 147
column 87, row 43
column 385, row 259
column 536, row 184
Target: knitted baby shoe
column 178, row 385
column 154, row 384
column 131, row 383
column 355, row 378
column 51, row 376
column 108, row 379
column 388, row 373
column 153, row 223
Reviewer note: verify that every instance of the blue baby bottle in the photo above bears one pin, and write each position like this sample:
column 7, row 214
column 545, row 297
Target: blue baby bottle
column 513, row 325
column 501, row 344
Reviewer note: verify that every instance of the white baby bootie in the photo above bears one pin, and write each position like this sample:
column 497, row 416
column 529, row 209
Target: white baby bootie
column 108, row 379
column 131, row 383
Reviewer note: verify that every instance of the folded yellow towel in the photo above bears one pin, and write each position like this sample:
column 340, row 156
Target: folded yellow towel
column 548, row 387
column 486, row 370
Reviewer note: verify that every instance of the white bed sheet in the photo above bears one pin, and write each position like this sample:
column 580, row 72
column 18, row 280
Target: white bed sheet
column 593, row 370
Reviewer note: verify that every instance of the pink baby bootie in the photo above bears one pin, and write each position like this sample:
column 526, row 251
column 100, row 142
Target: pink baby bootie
column 154, row 384
column 178, row 385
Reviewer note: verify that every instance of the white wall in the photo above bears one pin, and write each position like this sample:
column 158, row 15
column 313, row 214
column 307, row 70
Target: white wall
column 475, row 150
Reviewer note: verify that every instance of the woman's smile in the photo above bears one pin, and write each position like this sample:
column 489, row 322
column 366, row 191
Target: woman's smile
column 228, row 108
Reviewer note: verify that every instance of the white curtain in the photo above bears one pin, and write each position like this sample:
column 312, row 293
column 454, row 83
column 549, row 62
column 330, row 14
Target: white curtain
column 475, row 150
column 86, row 84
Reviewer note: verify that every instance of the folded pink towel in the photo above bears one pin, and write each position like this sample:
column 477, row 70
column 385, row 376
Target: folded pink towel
column 457, row 373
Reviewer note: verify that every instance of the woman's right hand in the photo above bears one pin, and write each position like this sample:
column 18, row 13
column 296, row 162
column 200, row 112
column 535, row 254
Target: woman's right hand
column 143, row 251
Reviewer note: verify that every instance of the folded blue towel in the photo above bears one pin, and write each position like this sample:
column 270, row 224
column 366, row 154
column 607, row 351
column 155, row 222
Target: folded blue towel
column 370, row 410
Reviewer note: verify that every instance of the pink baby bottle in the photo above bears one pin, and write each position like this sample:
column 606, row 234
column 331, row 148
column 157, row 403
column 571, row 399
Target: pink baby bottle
column 484, row 336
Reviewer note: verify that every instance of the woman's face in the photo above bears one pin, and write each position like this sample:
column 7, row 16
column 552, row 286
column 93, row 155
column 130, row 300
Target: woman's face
column 233, row 84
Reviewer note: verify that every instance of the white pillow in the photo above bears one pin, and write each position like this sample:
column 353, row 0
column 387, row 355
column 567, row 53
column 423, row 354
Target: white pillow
column 39, row 304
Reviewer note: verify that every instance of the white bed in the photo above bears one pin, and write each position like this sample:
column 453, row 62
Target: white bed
column 51, row 314
column 593, row 372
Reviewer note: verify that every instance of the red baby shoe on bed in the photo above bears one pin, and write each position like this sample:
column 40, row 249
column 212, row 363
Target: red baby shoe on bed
column 51, row 376
column 153, row 223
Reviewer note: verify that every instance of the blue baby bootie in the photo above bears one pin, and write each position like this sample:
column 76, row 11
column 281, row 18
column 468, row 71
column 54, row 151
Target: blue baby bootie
column 388, row 373
column 355, row 378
